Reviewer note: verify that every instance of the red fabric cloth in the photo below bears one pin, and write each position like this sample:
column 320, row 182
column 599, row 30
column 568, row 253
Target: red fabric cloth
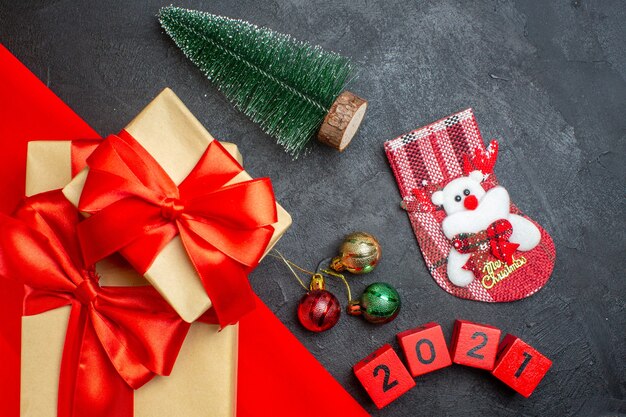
column 28, row 110
column 277, row 375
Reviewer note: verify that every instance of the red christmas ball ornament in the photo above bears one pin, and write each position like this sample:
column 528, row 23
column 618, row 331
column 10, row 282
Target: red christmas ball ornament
column 318, row 310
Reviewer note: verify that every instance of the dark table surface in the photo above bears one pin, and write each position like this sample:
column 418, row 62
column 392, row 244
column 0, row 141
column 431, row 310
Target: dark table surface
column 547, row 78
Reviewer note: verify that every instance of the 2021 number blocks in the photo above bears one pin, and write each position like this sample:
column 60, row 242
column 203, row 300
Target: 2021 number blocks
column 519, row 365
column 383, row 376
column 474, row 344
column 425, row 349
column 513, row 361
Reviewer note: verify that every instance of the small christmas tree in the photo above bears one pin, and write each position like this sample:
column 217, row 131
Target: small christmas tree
column 290, row 88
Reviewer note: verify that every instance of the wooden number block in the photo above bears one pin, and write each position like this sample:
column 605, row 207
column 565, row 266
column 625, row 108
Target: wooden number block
column 383, row 376
column 519, row 365
column 425, row 349
column 474, row 344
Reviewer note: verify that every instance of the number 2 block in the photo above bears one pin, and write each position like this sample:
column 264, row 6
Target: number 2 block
column 383, row 376
column 425, row 349
column 519, row 365
column 474, row 344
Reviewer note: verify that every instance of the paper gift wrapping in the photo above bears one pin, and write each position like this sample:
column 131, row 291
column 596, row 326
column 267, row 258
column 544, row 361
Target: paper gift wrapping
column 203, row 382
column 176, row 140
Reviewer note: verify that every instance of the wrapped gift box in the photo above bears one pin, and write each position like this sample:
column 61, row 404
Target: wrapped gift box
column 168, row 131
column 203, row 382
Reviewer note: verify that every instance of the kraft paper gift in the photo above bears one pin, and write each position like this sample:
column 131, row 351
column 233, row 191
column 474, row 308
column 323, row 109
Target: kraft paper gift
column 176, row 140
column 203, row 382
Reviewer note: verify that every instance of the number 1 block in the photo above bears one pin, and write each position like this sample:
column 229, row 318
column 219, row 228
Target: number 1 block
column 474, row 344
column 383, row 376
column 519, row 365
column 425, row 349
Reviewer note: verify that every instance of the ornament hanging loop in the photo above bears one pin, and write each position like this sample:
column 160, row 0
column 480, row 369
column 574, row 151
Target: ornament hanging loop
column 341, row 277
column 354, row 308
column 276, row 254
column 317, row 282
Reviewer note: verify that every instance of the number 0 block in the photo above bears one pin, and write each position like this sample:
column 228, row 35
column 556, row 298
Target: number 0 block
column 425, row 349
column 519, row 365
column 383, row 376
column 474, row 344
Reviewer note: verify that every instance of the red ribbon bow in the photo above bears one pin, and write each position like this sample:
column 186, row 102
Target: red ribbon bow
column 137, row 209
column 494, row 240
column 118, row 338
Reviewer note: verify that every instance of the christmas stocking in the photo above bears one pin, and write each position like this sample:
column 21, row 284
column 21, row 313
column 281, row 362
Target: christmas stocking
column 476, row 243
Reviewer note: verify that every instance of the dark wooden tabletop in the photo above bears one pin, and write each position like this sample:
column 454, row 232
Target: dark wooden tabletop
column 546, row 78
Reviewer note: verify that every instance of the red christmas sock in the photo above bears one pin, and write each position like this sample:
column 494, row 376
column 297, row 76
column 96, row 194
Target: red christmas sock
column 476, row 243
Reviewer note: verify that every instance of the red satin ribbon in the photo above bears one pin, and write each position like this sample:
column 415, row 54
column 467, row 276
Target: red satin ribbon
column 80, row 150
column 118, row 338
column 498, row 234
column 494, row 240
column 137, row 209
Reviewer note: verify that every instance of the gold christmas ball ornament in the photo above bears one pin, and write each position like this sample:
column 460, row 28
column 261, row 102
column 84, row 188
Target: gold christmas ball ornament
column 359, row 254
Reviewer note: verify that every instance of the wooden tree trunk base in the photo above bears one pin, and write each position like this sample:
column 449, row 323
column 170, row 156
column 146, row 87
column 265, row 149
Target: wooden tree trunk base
column 342, row 121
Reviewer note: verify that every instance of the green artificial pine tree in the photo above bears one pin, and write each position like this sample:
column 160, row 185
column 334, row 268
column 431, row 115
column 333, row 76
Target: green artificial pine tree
column 290, row 88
